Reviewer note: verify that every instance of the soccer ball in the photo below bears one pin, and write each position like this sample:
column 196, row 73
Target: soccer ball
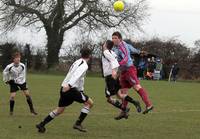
column 118, row 6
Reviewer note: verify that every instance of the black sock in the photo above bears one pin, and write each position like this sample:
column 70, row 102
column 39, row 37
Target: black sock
column 131, row 100
column 30, row 103
column 81, row 118
column 116, row 103
column 12, row 103
column 48, row 119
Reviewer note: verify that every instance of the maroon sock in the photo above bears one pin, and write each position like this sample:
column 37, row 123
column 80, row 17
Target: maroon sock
column 124, row 104
column 143, row 94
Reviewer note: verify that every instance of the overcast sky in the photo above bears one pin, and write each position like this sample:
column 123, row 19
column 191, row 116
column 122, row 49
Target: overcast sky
column 169, row 18
column 174, row 18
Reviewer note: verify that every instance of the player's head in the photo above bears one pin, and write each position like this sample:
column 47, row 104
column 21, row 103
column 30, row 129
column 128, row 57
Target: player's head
column 116, row 38
column 16, row 58
column 86, row 53
column 109, row 44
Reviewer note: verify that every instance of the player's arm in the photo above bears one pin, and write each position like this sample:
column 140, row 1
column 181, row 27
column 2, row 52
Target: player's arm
column 114, row 63
column 133, row 50
column 6, row 74
column 75, row 77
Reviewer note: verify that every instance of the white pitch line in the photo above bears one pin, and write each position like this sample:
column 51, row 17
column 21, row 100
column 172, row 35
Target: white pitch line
column 176, row 111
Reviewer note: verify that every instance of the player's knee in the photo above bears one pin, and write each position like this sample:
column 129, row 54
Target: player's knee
column 58, row 111
column 26, row 94
column 90, row 103
column 137, row 87
column 12, row 96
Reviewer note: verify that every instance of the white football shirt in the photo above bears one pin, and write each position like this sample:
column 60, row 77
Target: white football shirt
column 76, row 74
column 109, row 62
column 15, row 72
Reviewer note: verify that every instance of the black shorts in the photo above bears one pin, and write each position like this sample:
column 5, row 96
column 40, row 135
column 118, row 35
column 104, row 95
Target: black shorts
column 15, row 87
column 67, row 98
column 112, row 86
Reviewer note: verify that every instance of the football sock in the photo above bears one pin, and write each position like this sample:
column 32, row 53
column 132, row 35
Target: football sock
column 143, row 94
column 115, row 103
column 12, row 103
column 30, row 103
column 131, row 100
column 83, row 115
column 49, row 118
column 124, row 105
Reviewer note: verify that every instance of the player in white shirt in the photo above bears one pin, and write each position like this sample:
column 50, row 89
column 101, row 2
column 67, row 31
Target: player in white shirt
column 110, row 68
column 72, row 90
column 15, row 75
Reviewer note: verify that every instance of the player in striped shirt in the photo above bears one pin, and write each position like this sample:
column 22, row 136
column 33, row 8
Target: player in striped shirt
column 128, row 75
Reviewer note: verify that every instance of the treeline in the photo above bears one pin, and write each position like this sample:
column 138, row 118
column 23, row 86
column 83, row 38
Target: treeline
column 170, row 51
column 34, row 59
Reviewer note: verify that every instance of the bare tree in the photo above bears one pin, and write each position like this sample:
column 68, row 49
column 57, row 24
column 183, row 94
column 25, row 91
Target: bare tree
column 58, row 16
column 197, row 43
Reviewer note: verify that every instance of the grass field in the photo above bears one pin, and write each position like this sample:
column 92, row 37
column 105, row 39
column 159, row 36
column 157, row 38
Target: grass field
column 176, row 114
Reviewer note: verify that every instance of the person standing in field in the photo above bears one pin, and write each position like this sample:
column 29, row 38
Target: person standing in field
column 15, row 76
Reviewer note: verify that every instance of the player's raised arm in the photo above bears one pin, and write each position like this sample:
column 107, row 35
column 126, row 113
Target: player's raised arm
column 133, row 50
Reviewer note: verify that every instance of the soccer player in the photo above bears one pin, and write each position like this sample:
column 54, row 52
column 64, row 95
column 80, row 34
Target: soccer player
column 72, row 90
column 128, row 75
column 15, row 75
column 110, row 67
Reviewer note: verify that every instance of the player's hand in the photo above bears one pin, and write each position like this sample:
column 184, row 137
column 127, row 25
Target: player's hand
column 66, row 88
column 144, row 53
column 114, row 74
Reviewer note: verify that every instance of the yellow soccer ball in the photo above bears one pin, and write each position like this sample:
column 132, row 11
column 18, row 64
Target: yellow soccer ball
column 118, row 6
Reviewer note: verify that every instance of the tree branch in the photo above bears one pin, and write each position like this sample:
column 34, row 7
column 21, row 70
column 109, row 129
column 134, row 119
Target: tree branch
column 74, row 23
column 29, row 10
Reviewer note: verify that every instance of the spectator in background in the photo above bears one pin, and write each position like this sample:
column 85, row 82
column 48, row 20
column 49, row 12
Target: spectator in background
column 175, row 69
column 151, row 65
column 158, row 69
column 162, row 75
column 142, row 67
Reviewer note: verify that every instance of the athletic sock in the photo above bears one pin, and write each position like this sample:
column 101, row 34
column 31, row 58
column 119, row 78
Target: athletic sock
column 130, row 99
column 12, row 103
column 30, row 103
column 83, row 115
column 124, row 105
column 143, row 94
column 49, row 118
column 116, row 103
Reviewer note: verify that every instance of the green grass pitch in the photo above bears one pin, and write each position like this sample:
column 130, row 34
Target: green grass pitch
column 176, row 114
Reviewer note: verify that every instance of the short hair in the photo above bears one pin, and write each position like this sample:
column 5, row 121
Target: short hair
column 109, row 44
column 16, row 55
column 85, row 52
column 118, row 34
